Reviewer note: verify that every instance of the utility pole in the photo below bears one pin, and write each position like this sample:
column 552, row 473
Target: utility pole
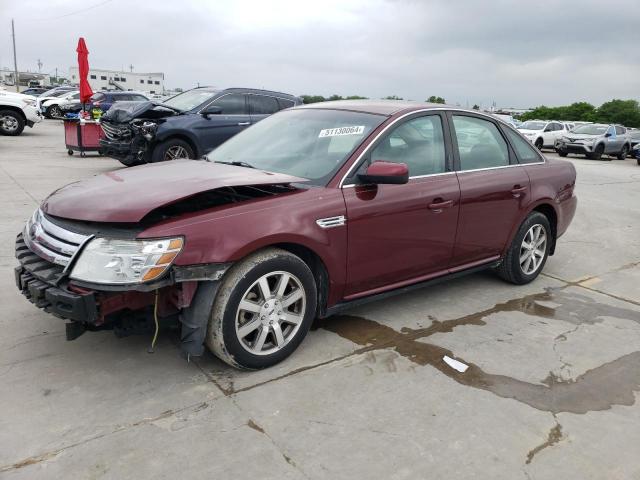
column 15, row 61
column 39, row 66
column 131, row 68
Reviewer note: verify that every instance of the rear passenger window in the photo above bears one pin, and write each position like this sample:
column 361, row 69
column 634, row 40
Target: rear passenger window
column 526, row 152
column 480, row 144
column 620, row 131
column 418, row 142
column 263, row 105
column 285, row 103
column 232, row 104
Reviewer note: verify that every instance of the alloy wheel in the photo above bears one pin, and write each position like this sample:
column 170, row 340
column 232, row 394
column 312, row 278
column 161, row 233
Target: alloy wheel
column 175, row 152
column 533, row 249
column 55, row 112
column 8, row 123
column 270, row 313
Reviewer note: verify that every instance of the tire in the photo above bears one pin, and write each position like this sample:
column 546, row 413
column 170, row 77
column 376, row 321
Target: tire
column 54, row 112
column 172, row 149
column 11, row 123
column 623, row 153
column 539, row 143
column 253, row 348
column 513, row 268
column 562, row 154
column 638, row 160
column 597, row 153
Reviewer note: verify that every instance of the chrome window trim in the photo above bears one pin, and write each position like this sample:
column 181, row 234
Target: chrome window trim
column 353, row 185
column 423, row 110
column 225, row 114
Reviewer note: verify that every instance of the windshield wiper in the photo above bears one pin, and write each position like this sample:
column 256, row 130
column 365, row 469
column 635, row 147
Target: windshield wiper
column 236, row 163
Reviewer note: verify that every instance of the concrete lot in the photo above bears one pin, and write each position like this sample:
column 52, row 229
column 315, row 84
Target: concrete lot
column 551, row 391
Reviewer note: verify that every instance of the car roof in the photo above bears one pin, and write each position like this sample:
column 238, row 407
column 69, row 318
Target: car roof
column 257, row 90
column 383, row 107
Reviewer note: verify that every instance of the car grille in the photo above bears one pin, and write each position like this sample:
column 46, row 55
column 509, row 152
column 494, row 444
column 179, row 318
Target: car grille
column 116, row 132
column 51, row 242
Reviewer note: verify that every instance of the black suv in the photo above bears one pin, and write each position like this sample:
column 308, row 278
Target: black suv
column 185, row 126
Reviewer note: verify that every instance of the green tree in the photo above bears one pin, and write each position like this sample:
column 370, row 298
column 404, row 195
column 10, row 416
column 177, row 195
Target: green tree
column 392, row 97
column 312, row 98
column 624, row 112
column 476, row 107
column 434, row 99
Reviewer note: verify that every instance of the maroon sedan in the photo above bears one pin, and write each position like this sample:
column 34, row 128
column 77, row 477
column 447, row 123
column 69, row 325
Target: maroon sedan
column 311, row 211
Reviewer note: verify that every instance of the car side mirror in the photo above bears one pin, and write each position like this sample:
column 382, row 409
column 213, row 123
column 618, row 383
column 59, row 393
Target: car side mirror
column 211, row 110
column 607, row 135
column 381, row 172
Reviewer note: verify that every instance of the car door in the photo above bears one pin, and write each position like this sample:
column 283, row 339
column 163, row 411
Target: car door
column 261, row 106
column 612, row 142
column 402, row 233
column 493, row 188
column 212, row 130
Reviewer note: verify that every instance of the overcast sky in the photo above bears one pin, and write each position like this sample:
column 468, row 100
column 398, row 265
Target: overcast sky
column 515, row 53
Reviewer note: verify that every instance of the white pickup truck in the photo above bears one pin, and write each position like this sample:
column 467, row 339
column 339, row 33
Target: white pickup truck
column 16, row 111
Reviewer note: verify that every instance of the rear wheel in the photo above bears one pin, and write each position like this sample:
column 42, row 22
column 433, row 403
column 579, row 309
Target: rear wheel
column 11, row 123
column 172, row 149
column 263, row 310
column 623, row 153
column 528, row 252
column 562, row 154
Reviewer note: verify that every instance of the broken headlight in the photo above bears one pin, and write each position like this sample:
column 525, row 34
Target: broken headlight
column 111, row 261
column 145, row 128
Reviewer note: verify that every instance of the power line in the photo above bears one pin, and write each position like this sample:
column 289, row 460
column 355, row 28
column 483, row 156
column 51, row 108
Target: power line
column 69, row 14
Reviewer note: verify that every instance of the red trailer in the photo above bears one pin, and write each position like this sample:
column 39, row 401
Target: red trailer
column 82, row 136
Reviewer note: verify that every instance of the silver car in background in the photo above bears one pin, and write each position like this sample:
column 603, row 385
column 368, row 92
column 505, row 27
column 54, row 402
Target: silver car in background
column 595, row 140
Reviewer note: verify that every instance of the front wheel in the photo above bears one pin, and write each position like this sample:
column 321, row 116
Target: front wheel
column 539, row 143
column 11, row 123
column 597, row 153
column 528, row 252
column 172, row 149
column 562, row 154
column 54, row 111
column 263, row 310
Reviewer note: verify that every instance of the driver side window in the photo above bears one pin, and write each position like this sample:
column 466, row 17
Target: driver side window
column 419, row 143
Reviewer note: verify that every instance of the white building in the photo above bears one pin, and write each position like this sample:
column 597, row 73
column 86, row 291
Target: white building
column 116, row 80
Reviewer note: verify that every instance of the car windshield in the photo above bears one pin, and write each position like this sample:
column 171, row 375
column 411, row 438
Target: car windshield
column 190, row 100
column 307, row 143
column 532, row 125
column 591, row 129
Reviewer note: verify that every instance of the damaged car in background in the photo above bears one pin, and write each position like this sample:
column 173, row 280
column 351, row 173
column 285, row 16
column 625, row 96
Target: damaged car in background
column 187, row 125
column 311, row 211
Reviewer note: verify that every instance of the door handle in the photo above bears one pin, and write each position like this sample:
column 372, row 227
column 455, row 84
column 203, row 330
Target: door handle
column 439, row 204
column 243, row 124
column 517, row 190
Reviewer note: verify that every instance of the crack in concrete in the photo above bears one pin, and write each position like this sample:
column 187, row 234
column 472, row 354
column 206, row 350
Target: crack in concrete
column 198, row 406
column 554, row 436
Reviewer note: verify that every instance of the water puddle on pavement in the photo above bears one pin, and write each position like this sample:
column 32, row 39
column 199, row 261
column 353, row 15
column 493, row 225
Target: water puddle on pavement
column 613, row 383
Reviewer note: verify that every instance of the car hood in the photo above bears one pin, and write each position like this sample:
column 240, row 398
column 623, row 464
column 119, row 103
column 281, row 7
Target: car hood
column 526, row 130
column 581, row 136
column 128, row 195
column 124, row 112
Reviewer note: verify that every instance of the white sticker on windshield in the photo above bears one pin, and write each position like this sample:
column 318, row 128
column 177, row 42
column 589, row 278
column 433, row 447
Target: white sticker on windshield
column 337, row 132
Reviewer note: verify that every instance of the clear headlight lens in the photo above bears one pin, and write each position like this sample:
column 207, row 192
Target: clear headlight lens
column 112, row 261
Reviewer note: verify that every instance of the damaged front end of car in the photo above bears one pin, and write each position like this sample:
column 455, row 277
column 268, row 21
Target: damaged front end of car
column 130, row 130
